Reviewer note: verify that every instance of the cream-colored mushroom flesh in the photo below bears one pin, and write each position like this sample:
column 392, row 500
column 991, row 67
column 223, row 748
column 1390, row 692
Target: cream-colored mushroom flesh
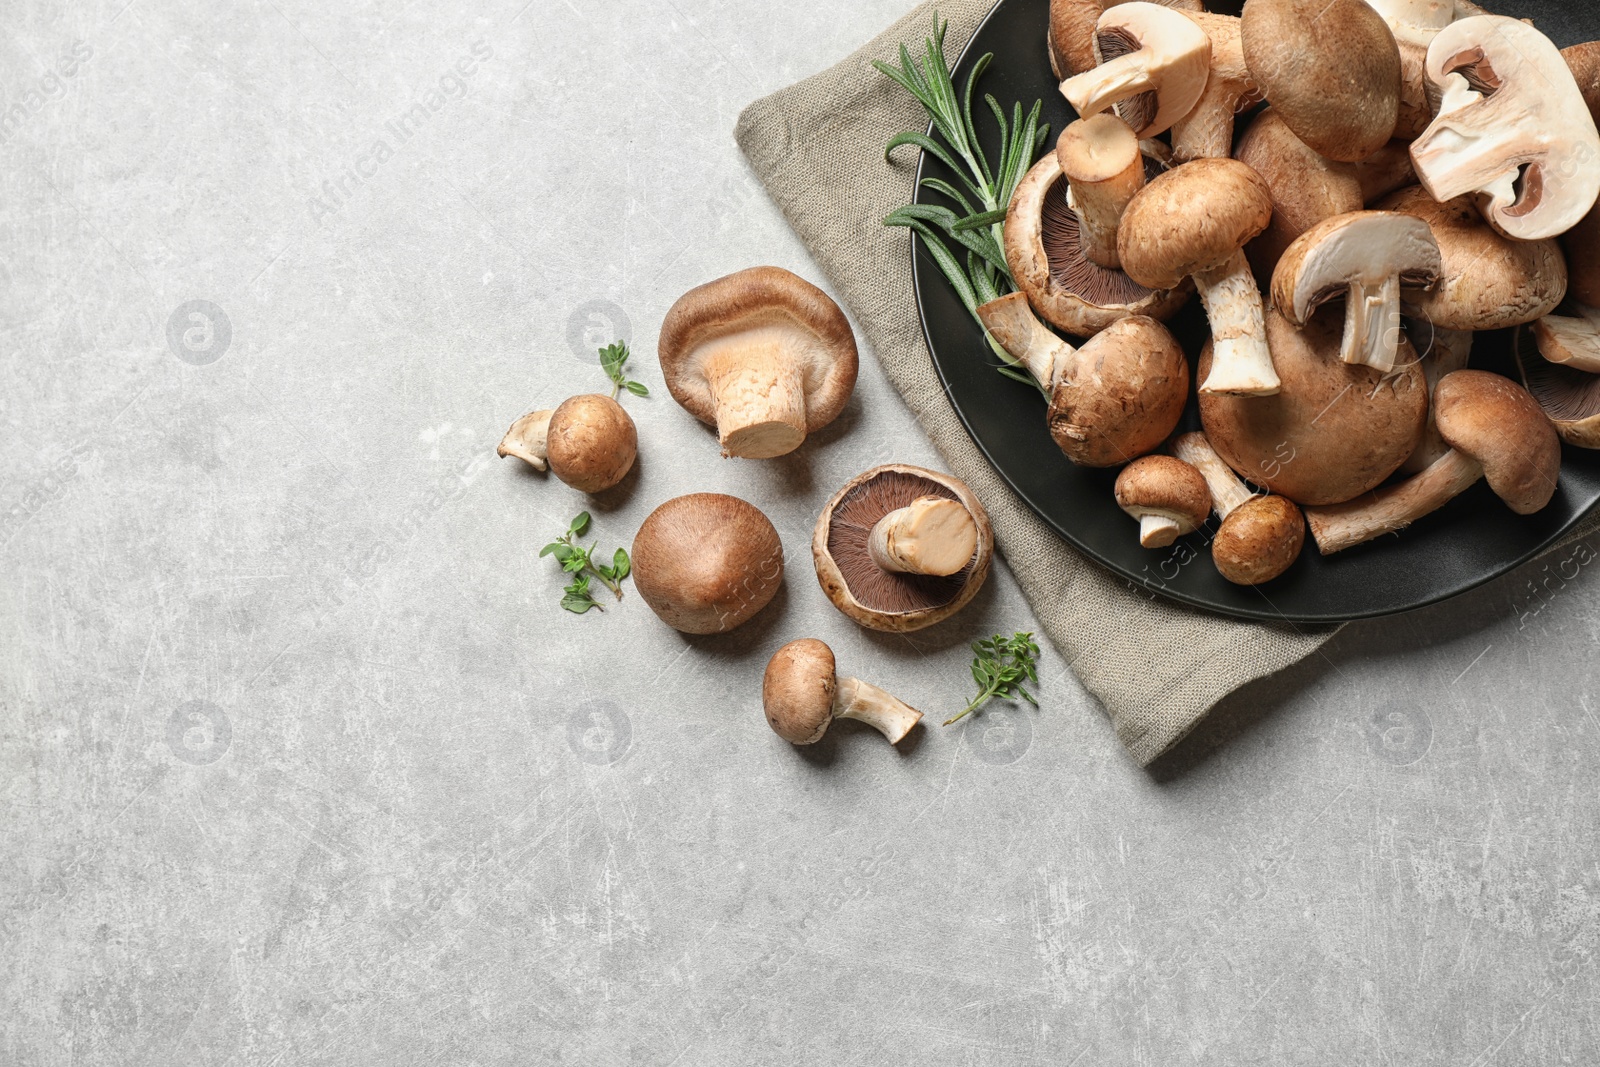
column 527, row 439
column 1364, row 257
column 1104, row 169
column 1573, row 341
column 1512, row 127
column 931, row 535
column 1569, row 398
column 1206, row 132
column 864, row 702
column 1014, row 326
column 1153, row 67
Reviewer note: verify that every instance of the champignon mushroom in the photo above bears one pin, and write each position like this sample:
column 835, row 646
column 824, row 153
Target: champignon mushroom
column 1044, row 246
column 1111, row 401
column 1365, row 257
column 1260, row 536
column 1305, row 186
column 1415, row 23
column 1153, row 63
column 901, row 548
column 1512, row 127
column 589, row 442
column 1330, row 68
column 1583, row 60
column 763, row 355
column 1167, row 496
column 1070, row 37
column 1206, row 132
column 1444, row 352
column 1335, row 430
column 1194, row 222
column 802, row 695
column 1486, row 281
column 1569, row 398
column 1496, row 431
column 706, row 562
column 1571, row 340
column 1104, row 168
column 1386, row 170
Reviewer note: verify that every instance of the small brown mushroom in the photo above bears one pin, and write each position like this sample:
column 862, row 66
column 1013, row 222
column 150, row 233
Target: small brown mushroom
column 1153, row 63
column 900, row 548
column 1070, row 37
column 763, row 355
column 706, row 563
column 1496, row 431
column 1260, row 536
column 589, row 442
column 1166, row 495
column 1569, row 398
column 1206, row 132
column 802, row 695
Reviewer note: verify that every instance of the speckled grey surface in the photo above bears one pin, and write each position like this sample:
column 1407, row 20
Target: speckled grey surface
column 301, row 764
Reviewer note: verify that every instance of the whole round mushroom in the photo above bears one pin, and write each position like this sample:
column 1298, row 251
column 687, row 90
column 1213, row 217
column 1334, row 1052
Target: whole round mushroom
column 802, row 695
column 762, row 355
column 1260, row 536
column 589, row 442
column 707, row 562
column 900, row 548
column 1167, row 496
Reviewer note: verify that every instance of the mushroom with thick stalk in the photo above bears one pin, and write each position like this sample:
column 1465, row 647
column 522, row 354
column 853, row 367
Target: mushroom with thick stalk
column 900, row 548
column 1194, row 222
column 1496, row 432
column 1206, row 132
column 706, row 562
column 1569, row 398
column 763, row 355
column 1305, row 186
column 802, row 694
column 1512, row 128
column 589, row 442
column 1167, row 496
column 1443, row 352
column 1070, row 37
column 1260, row 536
column 1104, row 168
column 1153, row 63
column 1364, row 257
column 1111, row 401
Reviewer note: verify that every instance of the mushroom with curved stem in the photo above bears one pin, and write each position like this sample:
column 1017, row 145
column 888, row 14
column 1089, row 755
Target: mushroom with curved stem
column 1104, row 167
column 1260, row 536
column 1153, row 63
column 1304, row 185
column 588, row 441
column 1365, row 257
column 1206, row 132
column 1569, row 398
column 1446, row 352
column 1496, row 431
column 1111, row 401
column 802, row 694
column 763, row 355
column 1194, row 222
column 1512, row 128
column 900, row 548
column 1070, row 37
column 1167, row 496
column 706, row 562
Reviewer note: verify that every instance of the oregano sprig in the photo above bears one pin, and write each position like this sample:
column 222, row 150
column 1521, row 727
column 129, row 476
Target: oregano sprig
column 579, row 562
column 613, row 360
column 1001, row 666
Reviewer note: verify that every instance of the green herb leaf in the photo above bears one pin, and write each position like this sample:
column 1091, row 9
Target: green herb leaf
column 637, row 389
column 621, row 565
column 579, row 525
column 1001, row 666
column 578, row 561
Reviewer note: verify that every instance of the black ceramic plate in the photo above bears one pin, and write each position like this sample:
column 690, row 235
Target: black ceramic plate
column 1472, row 541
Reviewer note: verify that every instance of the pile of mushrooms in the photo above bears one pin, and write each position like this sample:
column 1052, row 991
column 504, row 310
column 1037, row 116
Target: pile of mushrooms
column 1355, row 188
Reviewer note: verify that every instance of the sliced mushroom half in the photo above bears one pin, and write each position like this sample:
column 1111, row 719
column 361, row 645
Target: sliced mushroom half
column 1569, row 398
column 1152, row 67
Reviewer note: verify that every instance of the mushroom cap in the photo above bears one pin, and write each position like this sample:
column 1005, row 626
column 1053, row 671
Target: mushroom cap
column 706, row 562
column 1335, row 431
column 797, row 691
column 1165, row 486
column 1570, row 398
column 1305, row 186
column 1581, row 244
column 1122, row 396
column 1496, row 422
column 1192, row 219
column 1259, row 540
column 1331, row 68
column 1361, row 247
column 592, row 442
column 1487, row 282
column 1044, row 249
column 775, row 307
column 880, row 599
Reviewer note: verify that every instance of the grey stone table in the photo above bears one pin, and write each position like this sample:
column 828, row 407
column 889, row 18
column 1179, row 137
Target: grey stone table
column 300, row 762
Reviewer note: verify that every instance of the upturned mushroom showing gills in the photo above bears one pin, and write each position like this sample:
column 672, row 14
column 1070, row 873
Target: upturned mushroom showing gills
column 900, row 548
column 589, row 442
column 763, row 355
column 706, row 563
column 1260, row 536
column 1194, row 222
column 802, row 694
column 1111, row 401
column 1167, row 496
column 1512, row 127
column 1153, row 63
column 1070, row 37
column 1496, row 432
column 1364, row 257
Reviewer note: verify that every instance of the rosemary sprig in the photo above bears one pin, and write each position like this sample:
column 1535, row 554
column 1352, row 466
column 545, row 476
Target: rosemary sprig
column 1001, row 666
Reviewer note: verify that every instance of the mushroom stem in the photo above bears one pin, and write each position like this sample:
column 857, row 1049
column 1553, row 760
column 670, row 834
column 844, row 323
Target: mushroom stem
column 1012, row 323
column 1228, row 493
column 528, row 439
column 1206, row 132
column 759, row 394
column 1372, row 324
column 1241, row 363
column 1101, row 160
column 1158, row 531
column 932, row 535
column 1100, row 87
column 893, row 718
column 1391, row 509
column 1448, row 354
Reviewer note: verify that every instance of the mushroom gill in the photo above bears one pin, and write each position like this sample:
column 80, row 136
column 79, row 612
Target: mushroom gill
column 1137, row 111
column 1061, row 234
column 851, row 527
column 1565, row 394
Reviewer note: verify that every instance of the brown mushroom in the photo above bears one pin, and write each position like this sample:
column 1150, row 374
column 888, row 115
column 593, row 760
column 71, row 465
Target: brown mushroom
column 1443, row 352
column 1305, row 186
column 1194, row 222
column 1167, row 496
column 1104, row 168
column 1581, row 244
column 1152, row 67
column 589, row 442
column 1335, row 430
column 1070, row 37
column 1260, row 536
column 1206, row 132
column 901, row 548
column 1496, row 431
column 763, row 355
column 1583, row 60
column 1111, row 401
column 706, row 563
column 1569, row 398
column 802, row 695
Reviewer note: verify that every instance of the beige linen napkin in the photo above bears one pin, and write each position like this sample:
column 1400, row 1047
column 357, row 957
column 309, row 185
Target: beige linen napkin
column 818, row 148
